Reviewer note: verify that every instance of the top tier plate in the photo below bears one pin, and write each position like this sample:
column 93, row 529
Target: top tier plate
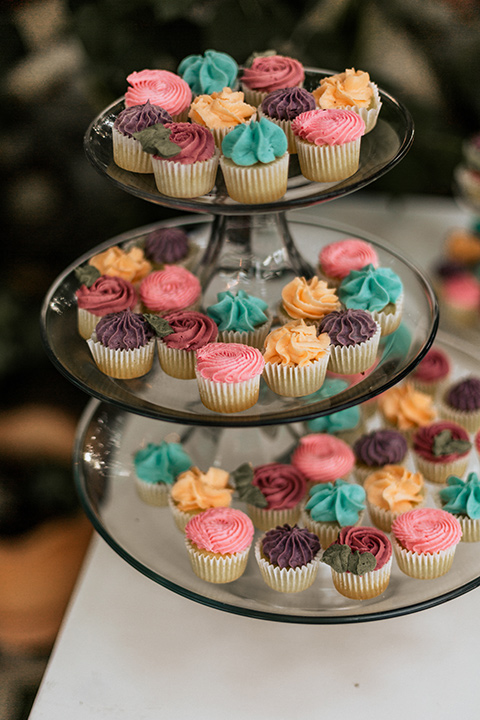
column 381, row 150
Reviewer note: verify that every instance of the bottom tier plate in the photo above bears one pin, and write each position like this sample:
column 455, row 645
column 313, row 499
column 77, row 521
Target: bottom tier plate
column 147, row 538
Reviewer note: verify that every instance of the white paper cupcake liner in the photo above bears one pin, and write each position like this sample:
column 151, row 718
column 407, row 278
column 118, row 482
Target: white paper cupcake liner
column 470, row 528
column 86, row 322
column 363, row 587
column 431, row 388
column 155, row 494
column 259, row 183
column 287, row 580
column 215, row 568
column 175, row 362
column 439, row 472
column 122, row 364
column 220, row 133
column 255, row 338
column 326, row 532
column 294, row 381
column 264, row 519
column 129, row 154
column 369, row 115
column 352, row 359
column 185, row 181
column 423, row 566
column 469, row 420
column 228, row 397
column 390, row 319
column 328, row 163
column 286, row 126
column 180, row 517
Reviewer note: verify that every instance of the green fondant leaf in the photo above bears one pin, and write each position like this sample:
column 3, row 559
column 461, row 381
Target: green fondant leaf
column 360, row 563
column 155, row 140
column 242, row 479
column 445, row 444
column 159, row 324
column 337, row 557
column 87, row 274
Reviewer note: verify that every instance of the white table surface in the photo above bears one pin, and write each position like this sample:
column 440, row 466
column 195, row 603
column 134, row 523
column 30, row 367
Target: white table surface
column 131, row 649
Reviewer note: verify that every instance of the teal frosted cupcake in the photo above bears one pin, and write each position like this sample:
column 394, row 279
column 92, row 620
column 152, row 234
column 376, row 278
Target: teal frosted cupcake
column 378, row 290
column 209, row 73
column 462, row 499
column 241, row 318
column 332, row 506
column 156, row 467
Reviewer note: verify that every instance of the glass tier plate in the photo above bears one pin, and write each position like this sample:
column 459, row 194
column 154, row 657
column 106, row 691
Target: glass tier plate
column 381, row 150
column 160, row 396
column 147, row 538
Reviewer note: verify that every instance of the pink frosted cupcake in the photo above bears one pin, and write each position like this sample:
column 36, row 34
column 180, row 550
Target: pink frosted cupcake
column 190, row 331
column 218, row 542
column 424, row 541
column 432, row 372
column 160, row 87
column 127, row 150
column 323, row 458
column 440, row 450
column 328, row 144
column 173, row 288
column 460, row 299
column 228, row 376
column 337, row 259
column 107, row 294
column 268, row 73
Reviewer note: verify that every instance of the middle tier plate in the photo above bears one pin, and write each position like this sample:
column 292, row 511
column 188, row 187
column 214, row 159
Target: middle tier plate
column 160, row 396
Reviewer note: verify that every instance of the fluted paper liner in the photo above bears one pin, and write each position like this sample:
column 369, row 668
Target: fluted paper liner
column 185, row 181
column 363, row 587
column 328, row 163
column 295, row 381
column 255, row 338
column 180, row 517
column 122, row 364
column 326, row 532
column 216, row 568
column 175, row 362
column 87, row 322
column 352, row 359
column 264, row 519
column 423, row 566
column 155, row 494
column 228, row 397
column 468, row 419
column 287, row 580
column 129, row 154
column 259, row 183
column 286, row 126
column 439, row 472
column 390, row 320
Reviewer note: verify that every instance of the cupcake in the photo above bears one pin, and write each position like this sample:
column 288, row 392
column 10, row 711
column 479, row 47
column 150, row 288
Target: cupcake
column 101, row 296
column 167, row 246
column 194, row 492
column 190, row 331
column 459, row 296
column 323, row 458
column 156, row 467
column 351, row 89
column 218, row 542
column 160, row 87
column 361, row 562
column 170, row 289
column 328, row 144
column 241, row 318
column 308, row 300
column 220, row 112
column 461, row 403
column 127, row 150
column 228, row 376
column 378, row 290
column 406, row 409
column 332, row 506
column 440, row 450
column 339, row 258
column 392, row 490
column 129, row 264
column 424, row 541
column 209, row 73
column 296, row 359
column 288, row 558
column 354, row 337
column 377, row 448
column 462, row 499
column 432, row 372
column 255, row 162
column 463, row 246
column 284, row 105
column 345, row 423
column 268, row 73
column 123, row 345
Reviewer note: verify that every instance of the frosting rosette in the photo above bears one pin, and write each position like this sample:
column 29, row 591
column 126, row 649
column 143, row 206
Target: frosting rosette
column 349, row 88
column 328, row 127
column 124, row 330
column 229, row 362
column 196, row 142
column 221, row 531
column 323, row 458
column 427, row 530
column 407, row 408
column 339, row 258
column 282, row 485
column 238, row 311
column 465, row 394
column 309, row 299
column 126, row 264
column 209, row 72
column 173, row 288
column 439, row 442
column 462, row 497
column 191, row 330
column 290, row 547
column 160, row 87
column 224, row 109
column 338, row 502
column 380, row 447
column 287, row 103
column 161, row 463
column 167, row 245
column 273, row 72
column 367, row 539
column 394, row 488
column 295, row 343
column 108, row 294
column 194, row 490
column 138, row 117
column 257, row 142
column 370, row 288
column 348, row 327
column 433, row 367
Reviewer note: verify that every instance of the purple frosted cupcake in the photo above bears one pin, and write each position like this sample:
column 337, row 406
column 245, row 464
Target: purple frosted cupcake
column 354, row 337
column 190, row 331
column 461, row 403
column 376, row 449
column 288, row 558
column 123, row 345
column 127, row 151
column 166, row 246
column 283, row 106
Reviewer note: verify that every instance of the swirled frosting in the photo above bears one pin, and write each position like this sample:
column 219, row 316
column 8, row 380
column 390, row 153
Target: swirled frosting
column 191, row 330
column 167, row 245
column 229, row 362
column 287, row 103
column 173, row 288
column 394, row 488
column 108, row 294
column 138, row 117
column 248, row 144
column 462, row 290
column 290, row 547
column 338, row 502
column 439, row 442
column 381, row 447
column 210, row 72
column 161, row 463
column 295, row 343
column 348, row 327
column 161, row 87
column 309, row 299
column 328, row 127
column 273, row 72
column 127, row 264
column 370, row 288
column 426, row 530
column 337, row 259
column 462, row 497
column 407, row 408
column 194, row 490
column 196, row 142
column 433, row 367
column 123, row 330
column 283, row 486
column 367, row 539
column 465, row 394
column 223, row 109
column 221, row 530
column 347, row 89
column 238, row 311
column 322, row 457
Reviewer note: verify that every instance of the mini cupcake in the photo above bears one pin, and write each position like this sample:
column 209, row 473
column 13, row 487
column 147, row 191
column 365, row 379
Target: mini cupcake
column 127, row 150
column 160, row 87
column 296, row 359
column 440, row 450
column 406, row 409
column 210, row 72
column 123, row 345
column 338, row 258
column 351, row 89
column 255, row 162
column 194, row 492
column 168, row 246
column 462, row 499
column 432, row 372
column 332, row 506
column 288, row 558
column 228, row 376
column 220, row 112
column 461, row 403
column 241, row 318
column 328, row 144
column 378, row 290
column 284, row 105
column 361, row 562
column 218, row 542
column 459, row 296
column 100, row 296
column 190, row 331
column 463, row 246
column 156, row 467
column 268, row 73
column 392, row 490
column 346, row 423
column 354, row 337
column 323, row 458
column 376, row 449
column 170, row 289
column 424, row 541
column 129, row 264
column 308, row 300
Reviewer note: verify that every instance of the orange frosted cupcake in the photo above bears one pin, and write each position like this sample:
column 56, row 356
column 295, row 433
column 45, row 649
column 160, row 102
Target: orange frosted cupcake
column 195, row 491
column 351, row 89
column 220, row 112
column 308, row 300
column 129, row 265
column 391, row 491
column 407, row 409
